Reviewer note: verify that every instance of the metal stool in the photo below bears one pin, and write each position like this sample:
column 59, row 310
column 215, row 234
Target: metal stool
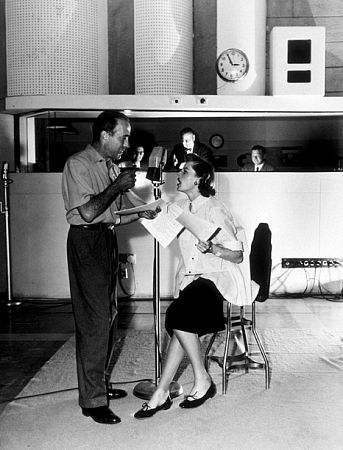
column 260, row 270
column 228, row 362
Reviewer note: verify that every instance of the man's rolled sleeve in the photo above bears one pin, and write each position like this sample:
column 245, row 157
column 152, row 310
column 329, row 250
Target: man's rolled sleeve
column 76, row 185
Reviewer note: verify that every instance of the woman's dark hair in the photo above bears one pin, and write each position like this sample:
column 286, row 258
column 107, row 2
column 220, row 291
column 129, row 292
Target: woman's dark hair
column 106, row 121
column 205, row 171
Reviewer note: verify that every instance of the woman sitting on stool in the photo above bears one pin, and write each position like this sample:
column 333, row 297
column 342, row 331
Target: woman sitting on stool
column 207, row 274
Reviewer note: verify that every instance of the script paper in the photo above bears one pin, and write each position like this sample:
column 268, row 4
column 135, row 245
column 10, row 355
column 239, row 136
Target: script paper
column 164, row 227
column 201, row 229
column 147, row 206
column 171, row 221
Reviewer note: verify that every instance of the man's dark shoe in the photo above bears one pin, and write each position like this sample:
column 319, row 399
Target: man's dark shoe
column 115, row 394
column 101, row 414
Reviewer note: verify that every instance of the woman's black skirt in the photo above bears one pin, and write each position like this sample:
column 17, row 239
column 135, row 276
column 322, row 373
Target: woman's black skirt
column 199, row 309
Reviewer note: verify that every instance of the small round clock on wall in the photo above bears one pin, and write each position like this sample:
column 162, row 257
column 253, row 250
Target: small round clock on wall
column 216, row 140
column 232, row 65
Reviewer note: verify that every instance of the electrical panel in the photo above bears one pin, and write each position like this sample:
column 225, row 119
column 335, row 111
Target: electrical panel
column 292, row 263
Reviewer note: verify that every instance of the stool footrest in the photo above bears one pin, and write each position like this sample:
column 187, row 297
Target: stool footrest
column 237, row 321
column 238, row 362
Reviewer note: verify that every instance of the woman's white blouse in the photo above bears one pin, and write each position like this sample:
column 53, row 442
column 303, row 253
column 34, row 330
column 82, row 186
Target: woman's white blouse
column 231, row 279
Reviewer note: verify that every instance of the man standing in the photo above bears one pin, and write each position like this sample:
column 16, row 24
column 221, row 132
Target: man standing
column 258, row 163
column 92, row 188
column 189, row 144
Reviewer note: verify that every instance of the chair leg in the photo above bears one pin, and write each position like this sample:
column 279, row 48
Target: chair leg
column 208, row 349
column 244, row 336
column 260, row 346
column 226, row 349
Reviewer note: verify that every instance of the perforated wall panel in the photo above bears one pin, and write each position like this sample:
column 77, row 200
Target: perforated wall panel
column 56, row 47
column 163, row 46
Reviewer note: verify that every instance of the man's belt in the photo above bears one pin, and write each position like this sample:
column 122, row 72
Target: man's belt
column 94, row 226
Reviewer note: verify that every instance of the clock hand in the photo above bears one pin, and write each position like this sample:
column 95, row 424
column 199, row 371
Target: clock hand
column 232, row 64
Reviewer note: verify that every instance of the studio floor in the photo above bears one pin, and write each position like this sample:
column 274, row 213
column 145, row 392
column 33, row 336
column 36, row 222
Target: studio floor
column 31, row 333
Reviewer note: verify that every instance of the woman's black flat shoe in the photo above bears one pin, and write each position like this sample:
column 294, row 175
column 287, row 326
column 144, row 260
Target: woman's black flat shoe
column 146, row 411
column 211, row 392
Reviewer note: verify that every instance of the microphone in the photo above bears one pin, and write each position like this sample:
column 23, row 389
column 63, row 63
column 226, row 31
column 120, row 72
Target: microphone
column 4, row 170
column 157, row 160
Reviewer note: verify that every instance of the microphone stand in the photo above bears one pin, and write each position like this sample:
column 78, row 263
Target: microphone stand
column 145, row 389
column 5, row 210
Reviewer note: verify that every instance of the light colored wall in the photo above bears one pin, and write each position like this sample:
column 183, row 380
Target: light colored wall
column 303, row 211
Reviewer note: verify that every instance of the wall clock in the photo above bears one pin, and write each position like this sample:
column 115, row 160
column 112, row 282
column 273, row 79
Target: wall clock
column 216, row 141
column 241, row 31
column 232, row 65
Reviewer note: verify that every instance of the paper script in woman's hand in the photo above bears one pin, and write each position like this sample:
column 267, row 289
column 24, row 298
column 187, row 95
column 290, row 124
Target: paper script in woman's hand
column 164, row 227
column 172, row 219
column 202, row 229
column 148, row 206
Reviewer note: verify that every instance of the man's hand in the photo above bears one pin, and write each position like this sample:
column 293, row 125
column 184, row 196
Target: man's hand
column 149, row 213
column 125, row 180
column 99, row 203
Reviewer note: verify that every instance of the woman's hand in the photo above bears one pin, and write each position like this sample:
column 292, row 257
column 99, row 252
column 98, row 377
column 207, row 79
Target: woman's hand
column 149, row 214
column 204, row 247
column 235, row 256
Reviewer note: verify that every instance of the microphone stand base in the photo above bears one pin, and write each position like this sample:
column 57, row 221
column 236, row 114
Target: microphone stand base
column 13, row 303
column 145, row 389
column 10, row 302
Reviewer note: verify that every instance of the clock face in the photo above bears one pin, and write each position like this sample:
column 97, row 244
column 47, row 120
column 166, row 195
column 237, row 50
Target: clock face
column 216, row 140
column 232, row 65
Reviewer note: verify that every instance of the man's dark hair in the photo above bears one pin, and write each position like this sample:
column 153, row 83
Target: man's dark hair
column 260, row 148
column 186, row 130
column 107, row 121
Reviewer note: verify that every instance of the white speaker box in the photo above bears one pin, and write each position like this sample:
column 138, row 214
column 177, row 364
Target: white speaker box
column 297, row 61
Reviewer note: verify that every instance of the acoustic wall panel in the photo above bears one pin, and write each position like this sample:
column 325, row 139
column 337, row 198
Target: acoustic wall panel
column 56, row 47
column 163, row 46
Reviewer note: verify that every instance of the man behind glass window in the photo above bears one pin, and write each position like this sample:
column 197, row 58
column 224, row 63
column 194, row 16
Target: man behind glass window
column 189, row 144
column 258, row 163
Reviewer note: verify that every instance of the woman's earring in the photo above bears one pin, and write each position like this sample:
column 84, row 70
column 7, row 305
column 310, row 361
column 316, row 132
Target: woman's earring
column 195, row 183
